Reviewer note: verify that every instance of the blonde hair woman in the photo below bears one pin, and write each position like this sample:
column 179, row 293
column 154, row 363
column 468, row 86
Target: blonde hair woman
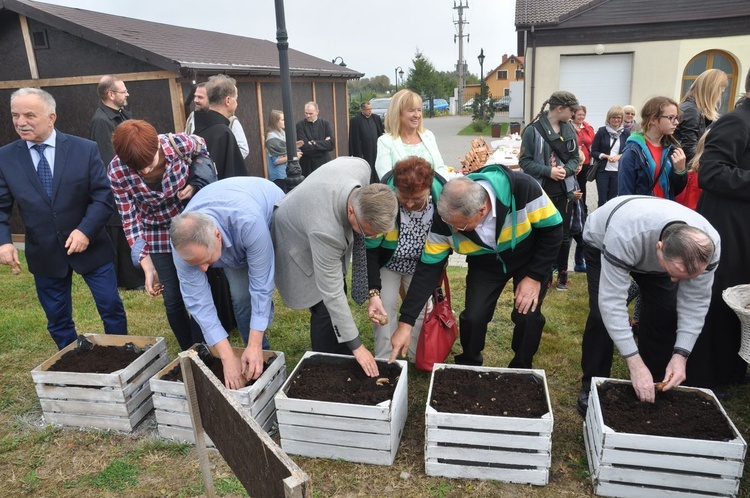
column 700, row 108
column 405, row 135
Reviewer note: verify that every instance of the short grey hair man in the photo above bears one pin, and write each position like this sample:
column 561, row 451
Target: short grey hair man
column 219, row 87
column 193, row 228
column 48, row 100
column 374, row 205
column 461, row 196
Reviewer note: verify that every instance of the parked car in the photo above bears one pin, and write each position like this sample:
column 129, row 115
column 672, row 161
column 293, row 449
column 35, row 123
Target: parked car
column 503, row 103
column 437, row 104
column 380, row 106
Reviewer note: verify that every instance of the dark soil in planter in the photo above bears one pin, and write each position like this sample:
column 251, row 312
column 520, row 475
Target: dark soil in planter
column 498, row 394
column 99, row 359
column 217, row 368
column 679, row 414
column 342, row 380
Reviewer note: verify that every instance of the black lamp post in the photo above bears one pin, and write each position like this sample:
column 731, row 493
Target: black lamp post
column 282, row 44
column 342, row 63
column 396, row 73
column 480, row 57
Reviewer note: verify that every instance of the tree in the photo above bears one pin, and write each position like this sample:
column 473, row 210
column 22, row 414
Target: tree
column 423, row 78
column 482, row 108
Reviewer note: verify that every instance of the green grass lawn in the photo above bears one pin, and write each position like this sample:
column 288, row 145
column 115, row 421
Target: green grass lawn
column 47, row 461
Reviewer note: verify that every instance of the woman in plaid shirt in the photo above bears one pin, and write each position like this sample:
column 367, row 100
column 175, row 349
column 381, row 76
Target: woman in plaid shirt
column 151, row 184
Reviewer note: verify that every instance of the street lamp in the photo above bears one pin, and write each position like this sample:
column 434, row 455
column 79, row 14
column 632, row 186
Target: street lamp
column 480, row 57
column 398, row 72
column 342, row 63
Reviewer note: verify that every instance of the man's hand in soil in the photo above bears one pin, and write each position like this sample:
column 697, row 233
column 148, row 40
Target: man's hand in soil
column 233, row 378
column 366, row 361
column 252, row 357
column 640, row 376
column 527, row 295
column 675, row 373
column 400, row 341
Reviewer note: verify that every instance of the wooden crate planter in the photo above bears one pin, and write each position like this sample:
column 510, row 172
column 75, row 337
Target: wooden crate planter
column 171, row 407
column 355, row 433
column 642, row 466
column 119, row 400
column 508, row 449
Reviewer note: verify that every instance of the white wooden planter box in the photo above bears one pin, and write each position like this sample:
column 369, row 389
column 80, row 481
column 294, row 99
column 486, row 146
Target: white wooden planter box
column 173, row 414
column 642, row 466
column 509, row 449
column 356, row 433
column 119, row 400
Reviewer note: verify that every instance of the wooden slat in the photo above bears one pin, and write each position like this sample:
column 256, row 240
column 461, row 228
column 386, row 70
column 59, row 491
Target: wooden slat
column 178, row 110
column 482, row 457
column 86, row 80
column 29, row 46
column 360, row 455
column 468, row 438
column 313, row 421
column 537, row 477
column 336, row 437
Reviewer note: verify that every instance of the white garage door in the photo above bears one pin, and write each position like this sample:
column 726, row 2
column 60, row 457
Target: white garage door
column 599, row 82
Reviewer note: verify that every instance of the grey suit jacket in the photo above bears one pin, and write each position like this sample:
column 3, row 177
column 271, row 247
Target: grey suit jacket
column 313, row 240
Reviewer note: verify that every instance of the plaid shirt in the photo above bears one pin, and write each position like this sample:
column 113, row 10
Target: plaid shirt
column 146, row 214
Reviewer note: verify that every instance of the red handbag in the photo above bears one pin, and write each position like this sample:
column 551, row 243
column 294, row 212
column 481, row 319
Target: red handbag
column 439, row 330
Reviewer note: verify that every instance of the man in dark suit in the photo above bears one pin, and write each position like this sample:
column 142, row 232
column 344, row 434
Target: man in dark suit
column 317, row 140
column 63, row 194
column 113, row 98
column 364, row 130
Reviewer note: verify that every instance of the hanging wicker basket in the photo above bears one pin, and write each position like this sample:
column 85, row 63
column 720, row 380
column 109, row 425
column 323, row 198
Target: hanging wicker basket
column 737, row 298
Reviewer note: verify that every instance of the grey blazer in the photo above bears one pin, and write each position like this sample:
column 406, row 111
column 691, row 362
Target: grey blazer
column 312, row 238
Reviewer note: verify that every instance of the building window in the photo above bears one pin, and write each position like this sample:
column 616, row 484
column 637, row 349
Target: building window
column 502, row 75
column 506, row 92
column 713, row 59
column 519, row 74
column 39, row 39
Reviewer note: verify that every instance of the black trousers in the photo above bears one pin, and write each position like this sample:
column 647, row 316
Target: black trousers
column 322, row 335
column 657, row 330
column 561, row 203
column 485, row 281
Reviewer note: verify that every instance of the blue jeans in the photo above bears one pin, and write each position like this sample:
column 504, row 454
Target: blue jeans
column 239, row 288
column 183, row 326
column 55, row 297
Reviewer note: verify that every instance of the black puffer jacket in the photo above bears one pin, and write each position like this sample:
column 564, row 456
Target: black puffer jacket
column 691, row 128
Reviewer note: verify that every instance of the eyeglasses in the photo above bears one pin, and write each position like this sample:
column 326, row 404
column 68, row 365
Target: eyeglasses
column 673, row 119
column 454, row 228
column 119, row 91
column 630, row 114
column 361, row 230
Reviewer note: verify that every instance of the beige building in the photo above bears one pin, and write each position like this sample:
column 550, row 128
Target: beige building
column 654, row 51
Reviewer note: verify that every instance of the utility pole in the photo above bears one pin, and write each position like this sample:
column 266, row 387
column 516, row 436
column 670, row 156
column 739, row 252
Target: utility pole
column 460, row 37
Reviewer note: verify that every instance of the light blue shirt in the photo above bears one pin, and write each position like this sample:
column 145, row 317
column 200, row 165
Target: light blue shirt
column 242, row 208
column 49, row 152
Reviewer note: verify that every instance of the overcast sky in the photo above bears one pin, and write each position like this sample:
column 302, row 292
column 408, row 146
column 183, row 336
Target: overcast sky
column 372, row 37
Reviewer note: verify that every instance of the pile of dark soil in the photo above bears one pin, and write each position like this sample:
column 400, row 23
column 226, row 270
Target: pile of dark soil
column 98, row 359
column 342, row 380
column 498, row 394
column 679, row 414
column 217, row 368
